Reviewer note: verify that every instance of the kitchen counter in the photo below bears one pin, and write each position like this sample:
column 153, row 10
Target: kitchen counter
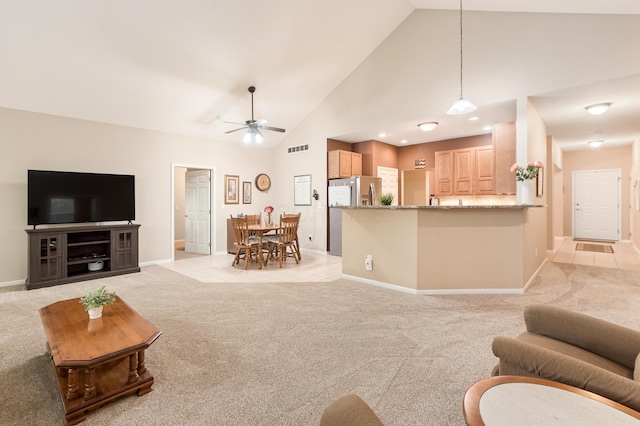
column 444, row 249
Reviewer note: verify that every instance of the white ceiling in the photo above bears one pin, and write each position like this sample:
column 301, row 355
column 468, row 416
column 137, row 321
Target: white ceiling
column 184, row 67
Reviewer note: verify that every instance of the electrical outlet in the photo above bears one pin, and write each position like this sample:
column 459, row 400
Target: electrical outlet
column 368, row 263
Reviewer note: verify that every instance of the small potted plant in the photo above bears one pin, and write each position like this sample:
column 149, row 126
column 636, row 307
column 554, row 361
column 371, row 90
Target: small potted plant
column 95, row 300
column 386, row 199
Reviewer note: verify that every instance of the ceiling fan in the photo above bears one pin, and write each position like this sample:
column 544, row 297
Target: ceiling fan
column 254, row 126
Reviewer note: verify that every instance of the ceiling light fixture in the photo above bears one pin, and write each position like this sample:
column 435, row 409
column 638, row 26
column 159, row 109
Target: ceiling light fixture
column 598, row 109
column 253, row 135
column 428, row 126
column 595, row 144
column 462, row 105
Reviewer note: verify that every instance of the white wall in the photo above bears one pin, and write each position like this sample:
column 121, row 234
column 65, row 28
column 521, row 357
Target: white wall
column 39, row 141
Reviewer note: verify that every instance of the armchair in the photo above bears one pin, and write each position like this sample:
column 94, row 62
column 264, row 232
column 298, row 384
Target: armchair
column 575, row 349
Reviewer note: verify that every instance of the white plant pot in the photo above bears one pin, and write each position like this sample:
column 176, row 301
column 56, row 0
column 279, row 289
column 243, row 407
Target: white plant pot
column 95, row 313
column 525, row 191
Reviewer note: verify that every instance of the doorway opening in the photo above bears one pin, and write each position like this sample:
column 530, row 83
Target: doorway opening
column 192, row 215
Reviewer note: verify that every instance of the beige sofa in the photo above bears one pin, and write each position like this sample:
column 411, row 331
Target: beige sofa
column 575, row 349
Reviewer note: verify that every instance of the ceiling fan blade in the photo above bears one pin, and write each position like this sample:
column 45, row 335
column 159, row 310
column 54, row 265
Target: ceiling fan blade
column 275, row 129
column 235, row 130
column 233, row 122
column 261, row 122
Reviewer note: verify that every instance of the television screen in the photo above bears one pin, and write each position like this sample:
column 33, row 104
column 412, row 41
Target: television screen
column 71, row 197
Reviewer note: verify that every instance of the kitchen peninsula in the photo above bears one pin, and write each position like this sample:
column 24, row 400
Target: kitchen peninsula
column 444, row 249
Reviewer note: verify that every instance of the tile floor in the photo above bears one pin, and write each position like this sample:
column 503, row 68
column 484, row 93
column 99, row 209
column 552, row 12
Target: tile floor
column 217, row 268
column 624, row 256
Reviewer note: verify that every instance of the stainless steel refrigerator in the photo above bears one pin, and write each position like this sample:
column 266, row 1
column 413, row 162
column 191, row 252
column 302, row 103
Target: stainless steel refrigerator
column 353, row 191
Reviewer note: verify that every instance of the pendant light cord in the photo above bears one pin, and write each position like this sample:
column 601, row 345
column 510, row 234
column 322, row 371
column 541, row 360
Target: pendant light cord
column 461, row 49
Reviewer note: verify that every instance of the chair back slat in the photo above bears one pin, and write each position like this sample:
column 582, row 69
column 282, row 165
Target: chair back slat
column 241, row 230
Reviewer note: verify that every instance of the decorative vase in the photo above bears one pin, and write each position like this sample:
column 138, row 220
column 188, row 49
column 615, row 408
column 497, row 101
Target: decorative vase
column 525, row 191
column 95, row 313
column 267, row 220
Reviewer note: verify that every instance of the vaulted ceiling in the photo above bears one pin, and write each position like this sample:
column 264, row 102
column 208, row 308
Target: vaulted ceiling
column 184, row 67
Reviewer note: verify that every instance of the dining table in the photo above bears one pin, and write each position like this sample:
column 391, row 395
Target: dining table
column 260, row 231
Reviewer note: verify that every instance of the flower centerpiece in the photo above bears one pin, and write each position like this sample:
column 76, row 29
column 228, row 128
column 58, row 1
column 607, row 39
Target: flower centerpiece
column 268, row 210
column 524, row 178
column 527, row 173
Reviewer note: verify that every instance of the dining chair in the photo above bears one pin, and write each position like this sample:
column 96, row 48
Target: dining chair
column 247, row 245
column 254, row 219
column 297, row 244
column 283, row 243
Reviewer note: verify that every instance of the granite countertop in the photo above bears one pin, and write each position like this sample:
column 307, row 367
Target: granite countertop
column 448, row 207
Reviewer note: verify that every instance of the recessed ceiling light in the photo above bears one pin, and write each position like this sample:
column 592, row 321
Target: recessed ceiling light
column 428, row 126
column 474, row 118
column 382, row 134
column 404, row 141
column 487, row 128
column 595, row 144
column 598, row 109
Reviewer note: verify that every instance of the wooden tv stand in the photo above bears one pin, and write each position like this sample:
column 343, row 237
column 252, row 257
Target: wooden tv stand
column 78, row 253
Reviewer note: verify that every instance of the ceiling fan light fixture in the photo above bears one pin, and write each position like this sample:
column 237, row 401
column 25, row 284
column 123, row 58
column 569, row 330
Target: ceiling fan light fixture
column 428, row 126
column 598, row 109
column 595, row 144
column 461, row 106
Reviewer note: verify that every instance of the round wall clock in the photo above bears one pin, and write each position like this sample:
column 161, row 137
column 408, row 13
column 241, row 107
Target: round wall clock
column 263, row 182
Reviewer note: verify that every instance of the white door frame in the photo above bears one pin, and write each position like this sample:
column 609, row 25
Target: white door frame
column 212, row 217
column 619, row 195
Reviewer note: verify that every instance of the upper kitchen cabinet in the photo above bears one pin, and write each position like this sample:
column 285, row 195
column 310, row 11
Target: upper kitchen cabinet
column 444, row 172
column 465, row 171
column 343, row 164
column 504, row 143
column 485, row 170
column 464, row 166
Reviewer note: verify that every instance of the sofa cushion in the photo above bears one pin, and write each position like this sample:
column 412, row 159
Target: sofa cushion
column 575, row 352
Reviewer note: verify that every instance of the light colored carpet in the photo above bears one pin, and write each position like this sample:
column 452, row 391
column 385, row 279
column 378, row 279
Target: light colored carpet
column 279, row 353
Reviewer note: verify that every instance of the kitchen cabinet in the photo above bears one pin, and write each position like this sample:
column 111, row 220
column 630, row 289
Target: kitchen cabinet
column 485, row 169
column 464, row 165
column 504, row 143
column 465, row 171
column 343, row 164
column 444, row 172
column 417, row 187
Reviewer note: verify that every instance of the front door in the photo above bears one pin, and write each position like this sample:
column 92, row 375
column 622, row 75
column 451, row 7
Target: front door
column 198, row 212
column 596, row 204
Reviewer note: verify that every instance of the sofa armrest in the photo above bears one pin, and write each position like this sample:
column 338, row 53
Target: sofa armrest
column 609, row 340
column 544, row 363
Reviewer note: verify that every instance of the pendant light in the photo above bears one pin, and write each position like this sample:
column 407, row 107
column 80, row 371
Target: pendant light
column 462, row 105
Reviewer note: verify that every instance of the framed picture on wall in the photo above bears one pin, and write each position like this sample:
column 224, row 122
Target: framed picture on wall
column 246, row 192
column 231, row 189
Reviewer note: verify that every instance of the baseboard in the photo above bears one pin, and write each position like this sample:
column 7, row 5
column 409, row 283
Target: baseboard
column 12, row 283
column 394, row 287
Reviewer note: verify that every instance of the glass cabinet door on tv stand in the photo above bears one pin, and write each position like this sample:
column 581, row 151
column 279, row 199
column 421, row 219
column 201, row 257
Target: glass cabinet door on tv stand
column 46, row 252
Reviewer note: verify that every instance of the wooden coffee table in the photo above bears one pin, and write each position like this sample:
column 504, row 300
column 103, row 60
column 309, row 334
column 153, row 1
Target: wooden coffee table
column 512, row 400
column 97, row 361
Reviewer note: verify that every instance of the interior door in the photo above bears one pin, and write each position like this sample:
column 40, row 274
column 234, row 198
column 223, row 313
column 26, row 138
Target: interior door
column 389, row 176
column 198, row 211
column 596, row 204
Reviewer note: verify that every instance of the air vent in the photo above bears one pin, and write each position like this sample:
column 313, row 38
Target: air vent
column 298, row 148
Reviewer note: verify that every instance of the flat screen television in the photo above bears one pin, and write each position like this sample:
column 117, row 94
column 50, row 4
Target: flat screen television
column 72, row 197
